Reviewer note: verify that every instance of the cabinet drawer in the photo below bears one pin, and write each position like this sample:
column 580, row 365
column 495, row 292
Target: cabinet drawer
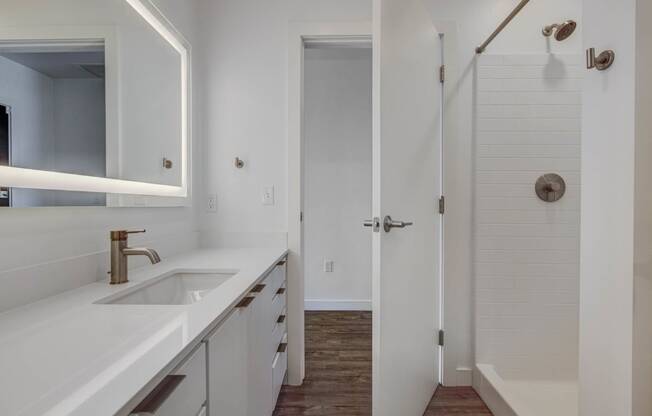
column 280, row 329
column 276, row 277
column 278, row 306
column 182, row 393
column 279, row 369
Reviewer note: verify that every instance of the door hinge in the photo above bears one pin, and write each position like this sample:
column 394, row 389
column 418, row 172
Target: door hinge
column 442, row 73
column 442, row 205
column 441, row 338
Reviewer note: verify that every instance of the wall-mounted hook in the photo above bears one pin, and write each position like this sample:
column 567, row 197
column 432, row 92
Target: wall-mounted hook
column 600, row 62
column 167, row 163
column 239, row 163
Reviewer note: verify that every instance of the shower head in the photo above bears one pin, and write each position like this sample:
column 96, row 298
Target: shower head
column 562, row 31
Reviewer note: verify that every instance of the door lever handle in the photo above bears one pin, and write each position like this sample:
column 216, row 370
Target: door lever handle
column 388, row 224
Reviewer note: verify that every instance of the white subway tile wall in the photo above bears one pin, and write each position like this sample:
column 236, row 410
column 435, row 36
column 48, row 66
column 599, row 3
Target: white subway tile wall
column 526, row 254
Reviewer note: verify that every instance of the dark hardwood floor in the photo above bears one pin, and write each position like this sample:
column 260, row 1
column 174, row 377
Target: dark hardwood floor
column 456, row 401
column 338, row 373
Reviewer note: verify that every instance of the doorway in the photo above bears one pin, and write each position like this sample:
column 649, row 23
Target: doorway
column 336, row 197
column 337, row 176
column 405, row 227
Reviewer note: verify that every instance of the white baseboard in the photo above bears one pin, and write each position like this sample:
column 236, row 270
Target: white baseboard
column 337, row 305
column 464, row 376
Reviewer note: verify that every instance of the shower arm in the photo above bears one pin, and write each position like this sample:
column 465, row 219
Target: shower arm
column 502, row 26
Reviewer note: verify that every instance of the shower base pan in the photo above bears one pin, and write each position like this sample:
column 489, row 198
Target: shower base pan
column 507, row 397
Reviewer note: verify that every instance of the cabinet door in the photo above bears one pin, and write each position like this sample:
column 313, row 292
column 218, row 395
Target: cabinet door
column 227, row 367
column 259, row 340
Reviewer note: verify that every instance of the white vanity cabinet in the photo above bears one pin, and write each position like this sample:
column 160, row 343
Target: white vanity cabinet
column 245, row 368
column 240, row 366
column 278, row 325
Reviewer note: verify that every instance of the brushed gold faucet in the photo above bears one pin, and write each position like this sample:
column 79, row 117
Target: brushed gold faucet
column 120, row 252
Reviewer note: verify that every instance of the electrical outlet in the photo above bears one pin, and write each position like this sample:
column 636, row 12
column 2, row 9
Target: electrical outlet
column 328, row 266
column 268, row 195
column 211, row 203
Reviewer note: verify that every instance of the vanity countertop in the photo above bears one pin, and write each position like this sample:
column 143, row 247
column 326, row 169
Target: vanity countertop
column 67, row 355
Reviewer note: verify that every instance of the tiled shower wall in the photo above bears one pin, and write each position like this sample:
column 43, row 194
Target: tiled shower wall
column 526, row 257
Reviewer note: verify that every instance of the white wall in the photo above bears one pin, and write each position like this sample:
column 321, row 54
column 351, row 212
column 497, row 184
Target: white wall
column 79, row 142
column 526, row 263
column 607, row 235
column 245, row 55
column 467, row 24
column 337, row 116
column 79, row 126
column 49, row 250
column 642, row 348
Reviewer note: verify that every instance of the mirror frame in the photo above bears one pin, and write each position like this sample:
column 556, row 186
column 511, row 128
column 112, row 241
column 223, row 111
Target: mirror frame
column 129, row 193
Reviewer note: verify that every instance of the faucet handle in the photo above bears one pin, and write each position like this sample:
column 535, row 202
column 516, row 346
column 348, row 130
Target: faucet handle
column 121, row 235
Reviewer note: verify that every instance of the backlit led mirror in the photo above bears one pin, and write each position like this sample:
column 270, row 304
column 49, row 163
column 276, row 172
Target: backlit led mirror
column 93, row 104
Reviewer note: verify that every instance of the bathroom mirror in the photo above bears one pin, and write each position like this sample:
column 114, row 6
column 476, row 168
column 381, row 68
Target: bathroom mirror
column 93, row 104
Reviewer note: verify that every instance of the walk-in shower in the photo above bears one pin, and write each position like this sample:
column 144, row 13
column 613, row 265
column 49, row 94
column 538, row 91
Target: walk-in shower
column 526, row 256
column 527, row 143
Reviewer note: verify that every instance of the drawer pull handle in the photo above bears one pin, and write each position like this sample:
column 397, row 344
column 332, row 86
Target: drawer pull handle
column 258, row 288
column 281, row 319
column 282, row 347
column 244, row 303
column 281, row 263
column 280, row 291
column 159, row 395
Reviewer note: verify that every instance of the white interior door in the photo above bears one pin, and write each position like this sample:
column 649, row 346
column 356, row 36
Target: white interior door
column 406, row 161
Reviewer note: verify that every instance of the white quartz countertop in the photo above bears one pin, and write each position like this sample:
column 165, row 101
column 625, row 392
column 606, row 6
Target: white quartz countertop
column 67, row 355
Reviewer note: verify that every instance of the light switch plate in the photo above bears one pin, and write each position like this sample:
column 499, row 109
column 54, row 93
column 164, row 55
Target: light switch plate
column 268, row 195
column 211, row 203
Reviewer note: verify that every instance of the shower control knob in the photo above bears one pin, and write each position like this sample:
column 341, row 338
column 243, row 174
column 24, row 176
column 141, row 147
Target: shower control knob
column 550, row 187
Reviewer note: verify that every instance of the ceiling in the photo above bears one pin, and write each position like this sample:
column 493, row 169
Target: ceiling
column 61, row 65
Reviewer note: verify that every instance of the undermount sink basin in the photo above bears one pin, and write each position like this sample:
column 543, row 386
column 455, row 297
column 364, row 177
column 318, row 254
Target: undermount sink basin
column 182, row 288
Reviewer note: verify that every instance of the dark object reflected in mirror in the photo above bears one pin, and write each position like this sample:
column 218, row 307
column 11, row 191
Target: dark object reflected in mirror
column 5, row 193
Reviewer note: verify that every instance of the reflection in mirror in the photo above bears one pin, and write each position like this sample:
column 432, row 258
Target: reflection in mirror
column 90, row 92
column 52, row 116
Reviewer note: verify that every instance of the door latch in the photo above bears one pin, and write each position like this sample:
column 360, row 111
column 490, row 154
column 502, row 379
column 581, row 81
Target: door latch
column 374, row 224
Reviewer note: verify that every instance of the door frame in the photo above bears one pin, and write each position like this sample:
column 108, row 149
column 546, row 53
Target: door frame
column 458, row 352
column 299, row 33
